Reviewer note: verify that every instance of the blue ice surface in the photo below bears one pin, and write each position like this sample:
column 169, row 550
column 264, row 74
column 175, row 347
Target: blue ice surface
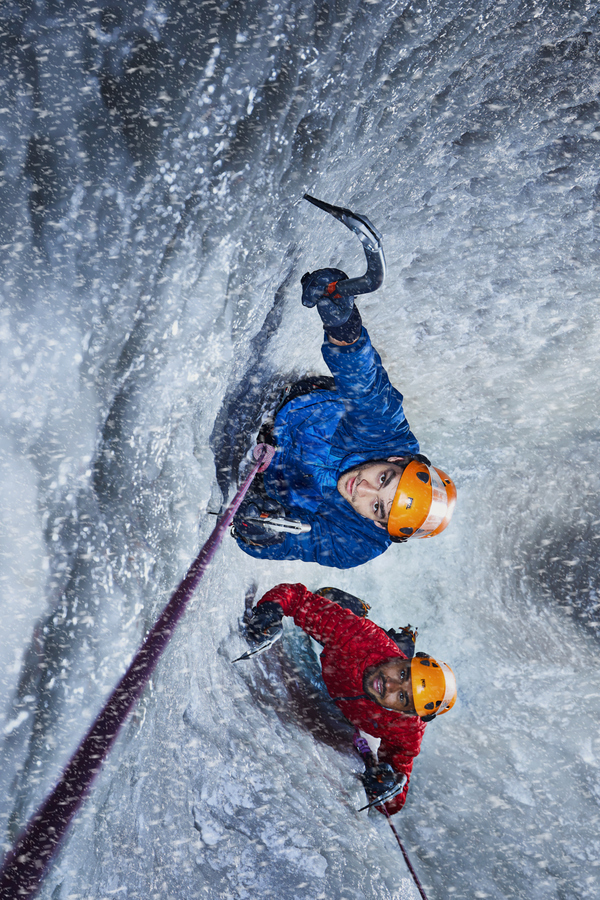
column 152, row 241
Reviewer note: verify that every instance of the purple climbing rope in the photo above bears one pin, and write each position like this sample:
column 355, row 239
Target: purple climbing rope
column 405, row 854
column 27, row 863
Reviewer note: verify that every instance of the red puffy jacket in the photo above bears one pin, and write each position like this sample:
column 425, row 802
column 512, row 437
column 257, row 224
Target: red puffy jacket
column 350, row 645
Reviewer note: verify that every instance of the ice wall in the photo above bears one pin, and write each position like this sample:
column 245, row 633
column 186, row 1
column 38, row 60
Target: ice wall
column 152, row 239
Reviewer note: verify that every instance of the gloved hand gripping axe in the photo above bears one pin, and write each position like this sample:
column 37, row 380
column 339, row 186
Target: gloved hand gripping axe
column 381, row 784
column 264, row 627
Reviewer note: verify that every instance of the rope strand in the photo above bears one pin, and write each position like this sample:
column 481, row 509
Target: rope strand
column 405, row 855
column 26, row 865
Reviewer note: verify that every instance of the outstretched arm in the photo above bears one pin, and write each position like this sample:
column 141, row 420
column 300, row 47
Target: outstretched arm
column 374, row 407
column 329, row 623
column 324, row 620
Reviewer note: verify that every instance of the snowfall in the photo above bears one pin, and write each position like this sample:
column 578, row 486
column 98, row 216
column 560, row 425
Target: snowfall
column 153, row 235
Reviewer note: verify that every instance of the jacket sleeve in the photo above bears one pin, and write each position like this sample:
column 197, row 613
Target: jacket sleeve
column 374, row 408
column 325, row 544
column 324, row 620
column 400, row 750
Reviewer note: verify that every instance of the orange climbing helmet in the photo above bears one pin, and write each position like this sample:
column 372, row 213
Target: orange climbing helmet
column 433, row 686
column 423, row 504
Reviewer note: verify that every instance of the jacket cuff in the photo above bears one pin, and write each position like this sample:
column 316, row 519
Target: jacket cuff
column 349, row 331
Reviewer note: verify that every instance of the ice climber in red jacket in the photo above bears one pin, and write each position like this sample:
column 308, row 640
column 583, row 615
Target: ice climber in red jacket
column 375, row 683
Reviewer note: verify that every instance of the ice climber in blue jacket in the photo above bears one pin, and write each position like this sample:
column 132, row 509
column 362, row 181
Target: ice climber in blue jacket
column 347, row 479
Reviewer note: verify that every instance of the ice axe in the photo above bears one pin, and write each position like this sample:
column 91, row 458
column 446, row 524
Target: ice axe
column 372, row 242
column 259, row 648
column 387, row 795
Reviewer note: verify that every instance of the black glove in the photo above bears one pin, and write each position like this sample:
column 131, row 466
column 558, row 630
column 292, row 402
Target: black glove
column 253, row 532
column 334, row 309
column 265, row 621
column 378, row 780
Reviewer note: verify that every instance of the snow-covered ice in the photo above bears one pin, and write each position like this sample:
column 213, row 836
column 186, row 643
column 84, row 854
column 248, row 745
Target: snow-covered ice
column 153, row 157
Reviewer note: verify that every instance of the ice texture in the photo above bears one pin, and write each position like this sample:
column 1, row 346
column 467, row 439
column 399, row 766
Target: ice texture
column 153, row 157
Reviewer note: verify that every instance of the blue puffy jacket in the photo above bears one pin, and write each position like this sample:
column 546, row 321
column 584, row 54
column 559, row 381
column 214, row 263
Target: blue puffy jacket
column 323, row 434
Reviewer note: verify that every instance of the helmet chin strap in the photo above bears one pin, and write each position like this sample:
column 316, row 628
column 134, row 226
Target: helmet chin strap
column 400, row 713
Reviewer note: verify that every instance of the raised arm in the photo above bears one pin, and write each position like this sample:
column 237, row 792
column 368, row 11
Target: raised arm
column 374, row 407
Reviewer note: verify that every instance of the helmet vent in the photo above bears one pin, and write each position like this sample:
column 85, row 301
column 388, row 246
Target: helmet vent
column 406, row 530
column 423, row 476
column 429, row 706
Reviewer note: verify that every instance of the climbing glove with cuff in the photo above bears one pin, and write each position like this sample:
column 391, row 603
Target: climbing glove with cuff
column 340, row 317
column 381, row 780
column 265, row 621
